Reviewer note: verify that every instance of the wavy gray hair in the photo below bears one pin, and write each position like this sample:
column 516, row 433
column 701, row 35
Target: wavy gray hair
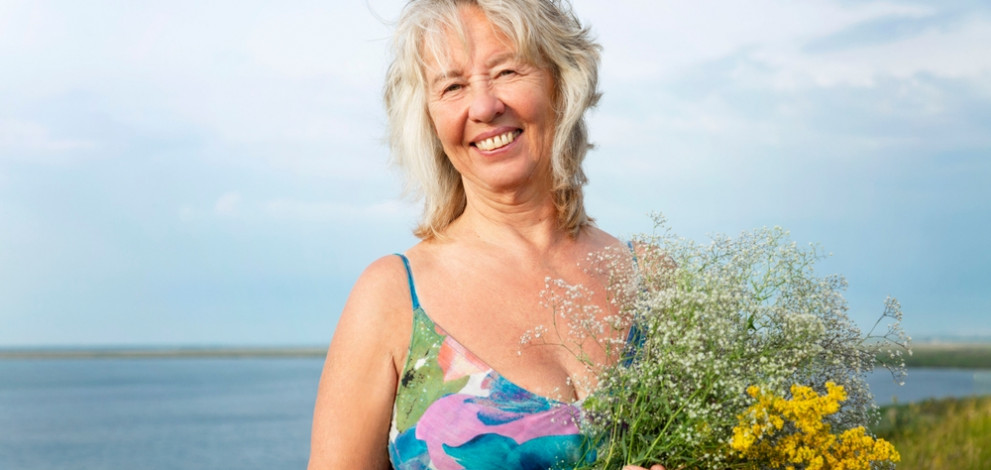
column 545, row 33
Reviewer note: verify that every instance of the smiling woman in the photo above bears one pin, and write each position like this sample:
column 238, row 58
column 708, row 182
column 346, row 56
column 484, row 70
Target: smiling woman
column 493, row 113
column 541, row 36
column 486, row 101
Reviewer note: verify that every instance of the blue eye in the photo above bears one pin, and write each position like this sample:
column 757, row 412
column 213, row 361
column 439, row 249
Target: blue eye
column 503, row 73
column 452, row 87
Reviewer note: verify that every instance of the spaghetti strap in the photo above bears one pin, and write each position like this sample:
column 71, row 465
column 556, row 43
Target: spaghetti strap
column 409, row 279
column 636, row 336
column 633, row 251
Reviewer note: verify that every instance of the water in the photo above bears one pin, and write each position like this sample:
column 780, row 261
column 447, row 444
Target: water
column 156, row 413
column 219, row 413
column 923, row 383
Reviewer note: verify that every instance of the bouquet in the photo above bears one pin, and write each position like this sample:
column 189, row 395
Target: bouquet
column 739, row 356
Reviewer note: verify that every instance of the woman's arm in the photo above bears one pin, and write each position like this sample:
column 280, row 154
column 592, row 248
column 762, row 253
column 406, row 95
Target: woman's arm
column 354, row 402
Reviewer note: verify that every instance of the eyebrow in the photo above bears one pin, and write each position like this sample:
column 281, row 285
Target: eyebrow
column 494, row 61
column 501, row 58
column 444, row 76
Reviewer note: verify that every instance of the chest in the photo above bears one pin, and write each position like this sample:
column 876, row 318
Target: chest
column 535, row 329
column 454, row 411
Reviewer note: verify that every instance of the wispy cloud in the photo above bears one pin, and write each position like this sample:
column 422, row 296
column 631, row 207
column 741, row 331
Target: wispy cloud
column 32, row 141
column 337, row 210
column 228, row 204
column 234, row 205
column 685, row 34
column 962, row 52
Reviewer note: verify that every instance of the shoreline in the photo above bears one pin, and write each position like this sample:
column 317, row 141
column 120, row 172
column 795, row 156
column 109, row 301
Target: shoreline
column 930, row 355
column 138, row 352
column 950, row 355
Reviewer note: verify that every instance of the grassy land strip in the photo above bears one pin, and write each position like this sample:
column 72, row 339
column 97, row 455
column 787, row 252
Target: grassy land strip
column 953, row 433
column 964, row 356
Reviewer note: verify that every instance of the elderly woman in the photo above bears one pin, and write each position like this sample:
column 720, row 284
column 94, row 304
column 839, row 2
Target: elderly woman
column 486, row 103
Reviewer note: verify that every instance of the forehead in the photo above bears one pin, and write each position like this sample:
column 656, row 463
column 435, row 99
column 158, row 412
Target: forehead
column 462, row 35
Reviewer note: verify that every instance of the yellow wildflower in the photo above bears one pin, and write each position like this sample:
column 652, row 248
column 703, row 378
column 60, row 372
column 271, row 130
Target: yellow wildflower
column 761, row 434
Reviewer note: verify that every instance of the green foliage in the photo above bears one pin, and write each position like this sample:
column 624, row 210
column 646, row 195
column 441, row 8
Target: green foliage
column 964, row 356
column 950, row 434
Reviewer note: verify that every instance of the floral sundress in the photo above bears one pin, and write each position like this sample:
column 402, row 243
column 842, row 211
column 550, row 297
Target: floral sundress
column 452, row 411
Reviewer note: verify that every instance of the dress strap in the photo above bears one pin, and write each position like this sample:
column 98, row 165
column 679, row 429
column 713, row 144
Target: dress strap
column 409, row 279
column 633, row 251
column 636, row 336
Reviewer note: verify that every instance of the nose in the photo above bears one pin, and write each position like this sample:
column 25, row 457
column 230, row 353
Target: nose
column 485, row 104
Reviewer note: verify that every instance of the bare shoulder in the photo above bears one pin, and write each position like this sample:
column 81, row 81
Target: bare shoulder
column 610, row 247
column 597, row 239
column 654, row 265
column 350, row 429
column 647, row 257
column 379, row 309
column 379, row 300
column 382, row 285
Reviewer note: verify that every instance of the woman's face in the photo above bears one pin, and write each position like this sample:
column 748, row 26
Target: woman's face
column 493, row 112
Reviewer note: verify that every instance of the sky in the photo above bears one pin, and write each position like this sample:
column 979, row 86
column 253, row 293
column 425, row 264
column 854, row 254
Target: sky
column 215, row 173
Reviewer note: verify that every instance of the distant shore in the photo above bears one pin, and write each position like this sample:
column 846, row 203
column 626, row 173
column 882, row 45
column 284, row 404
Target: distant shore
column 938, row 355
column 957, row 355
column 163, row 352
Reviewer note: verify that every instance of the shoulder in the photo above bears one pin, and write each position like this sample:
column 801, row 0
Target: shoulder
column 604, row 240
column 368, row 345
column 378, row 303
column 599, row 239
column 654, row 266
column 386, row 275
column 381, row 293
column 643, row 254
column 610, row 247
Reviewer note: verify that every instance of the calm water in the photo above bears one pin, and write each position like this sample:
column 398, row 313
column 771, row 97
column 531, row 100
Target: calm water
column 923, row 383
column 156, row 413
column 218, row 413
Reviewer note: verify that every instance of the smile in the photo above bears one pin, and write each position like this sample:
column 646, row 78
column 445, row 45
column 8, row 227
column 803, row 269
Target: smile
column 498, row 141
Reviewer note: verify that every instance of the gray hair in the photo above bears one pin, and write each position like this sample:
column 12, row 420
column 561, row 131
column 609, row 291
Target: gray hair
column 545, row 33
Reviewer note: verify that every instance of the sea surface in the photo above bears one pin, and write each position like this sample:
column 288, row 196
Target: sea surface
column 156, row 414
column 196, row 413
column 923, row 383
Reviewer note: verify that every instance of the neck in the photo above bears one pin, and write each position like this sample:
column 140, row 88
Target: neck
column 513, row 218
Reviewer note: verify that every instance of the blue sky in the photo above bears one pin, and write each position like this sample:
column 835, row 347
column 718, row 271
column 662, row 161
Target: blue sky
column 186, row 173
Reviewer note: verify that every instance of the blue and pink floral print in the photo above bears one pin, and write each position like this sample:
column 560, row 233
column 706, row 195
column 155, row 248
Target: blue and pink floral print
column 453, row 412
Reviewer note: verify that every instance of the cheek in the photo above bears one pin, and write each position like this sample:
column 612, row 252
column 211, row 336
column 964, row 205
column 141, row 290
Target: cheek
column 542, row 113
column 445, row 125
column 541, row 103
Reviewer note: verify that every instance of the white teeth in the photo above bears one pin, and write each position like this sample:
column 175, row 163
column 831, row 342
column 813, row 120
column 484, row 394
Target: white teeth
column 498, row 141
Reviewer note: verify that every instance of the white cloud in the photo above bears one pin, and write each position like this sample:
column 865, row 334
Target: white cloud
column 338, row 210
column 961, row 52
column 656, row 42
column 648, row 40
column 26, row 139
column 290, row 209
column 274, row 78
column 702, row 86
column 228, row 203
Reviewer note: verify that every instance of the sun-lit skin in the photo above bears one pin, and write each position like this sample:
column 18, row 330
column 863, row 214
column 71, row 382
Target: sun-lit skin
column 494, row 115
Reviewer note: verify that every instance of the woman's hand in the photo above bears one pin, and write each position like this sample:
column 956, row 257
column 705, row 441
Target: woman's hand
column 652, row 467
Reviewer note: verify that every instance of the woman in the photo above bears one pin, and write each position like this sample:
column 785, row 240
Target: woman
column 486, row 102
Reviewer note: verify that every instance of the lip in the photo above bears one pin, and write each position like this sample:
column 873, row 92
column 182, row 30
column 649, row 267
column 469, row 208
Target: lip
column 492, row 133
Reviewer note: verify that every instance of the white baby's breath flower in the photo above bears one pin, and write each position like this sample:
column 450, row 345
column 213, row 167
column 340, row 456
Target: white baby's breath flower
column 713, row 320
